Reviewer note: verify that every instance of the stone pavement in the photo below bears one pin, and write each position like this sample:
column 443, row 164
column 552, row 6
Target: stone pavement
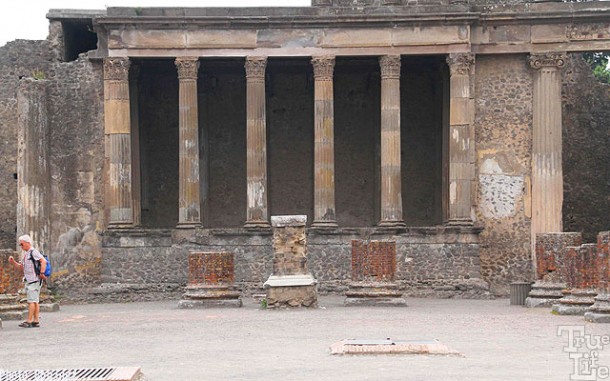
column 497, row 341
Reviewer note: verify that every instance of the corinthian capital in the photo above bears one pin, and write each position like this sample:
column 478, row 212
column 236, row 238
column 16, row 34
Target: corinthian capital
column 323, row 68
column 116, row 68
column 390, row 66
column 255, row 67
column 460, row 63
column 187, row 67
column 538, row 61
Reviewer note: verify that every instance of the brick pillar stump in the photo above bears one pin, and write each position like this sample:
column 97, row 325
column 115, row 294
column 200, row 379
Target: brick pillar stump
column 291, row 284
column 581, row 280
column 211, row 281
column 599, row 312
column 373, row 272
column 550, row 274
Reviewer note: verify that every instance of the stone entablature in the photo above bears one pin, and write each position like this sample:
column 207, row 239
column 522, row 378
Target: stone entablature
column 407, row 30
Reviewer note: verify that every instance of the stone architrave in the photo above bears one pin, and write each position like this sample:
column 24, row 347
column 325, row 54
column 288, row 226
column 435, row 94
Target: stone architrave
column 189, row 204
column 256, row 144
column 373, row 272
column 461, row 138
column 211, row 281
column 33, row 179
column 550, row 268
column 324, row 147
column 599, row 312
column 547, row 171
column 391, row 195
column 117, row 132
column 291, row 284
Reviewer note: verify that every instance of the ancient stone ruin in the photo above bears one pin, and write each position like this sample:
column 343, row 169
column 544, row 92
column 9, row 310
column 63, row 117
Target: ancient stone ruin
column 457, row 129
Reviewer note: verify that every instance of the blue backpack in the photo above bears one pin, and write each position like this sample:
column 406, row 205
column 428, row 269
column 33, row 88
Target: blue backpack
column 47, row 271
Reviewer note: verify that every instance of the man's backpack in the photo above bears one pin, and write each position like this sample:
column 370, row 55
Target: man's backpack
column 47, row 271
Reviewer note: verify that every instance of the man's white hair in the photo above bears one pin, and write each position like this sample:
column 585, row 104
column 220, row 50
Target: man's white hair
column 26, row 238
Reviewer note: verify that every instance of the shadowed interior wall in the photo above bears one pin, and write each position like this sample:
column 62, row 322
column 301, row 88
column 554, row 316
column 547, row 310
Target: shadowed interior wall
column 290, row 136
column 159, row 137
column 357, row 125
column 421, row 140
column 222, row 122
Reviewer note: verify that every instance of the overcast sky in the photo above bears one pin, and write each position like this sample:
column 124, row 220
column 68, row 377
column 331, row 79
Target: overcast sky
column 26, row 19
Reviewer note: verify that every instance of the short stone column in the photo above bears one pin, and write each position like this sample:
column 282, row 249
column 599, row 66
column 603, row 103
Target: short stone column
column 324, row 147
column 547, row 172
column 550, row 273
column 581, row 278
column 373, row 272
column 256, row 144
column 211, row 281
column 33, row 179
column 189, row 205
column 117, row 131
column 391, row 181
column 291, row 284
column 599, row 312
column 461, row 139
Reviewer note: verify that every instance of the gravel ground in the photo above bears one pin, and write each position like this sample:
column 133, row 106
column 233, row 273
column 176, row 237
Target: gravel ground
column 496, row 341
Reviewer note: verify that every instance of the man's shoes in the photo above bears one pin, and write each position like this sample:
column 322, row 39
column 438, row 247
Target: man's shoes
column 26, row 324
column 35, row 324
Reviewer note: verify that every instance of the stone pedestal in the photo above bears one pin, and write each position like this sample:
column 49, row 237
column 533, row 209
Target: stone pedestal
column 599, row 312
column 544, row 294
column 211, row 278
column 373, row 271
column 291, row 284
column 575, row 302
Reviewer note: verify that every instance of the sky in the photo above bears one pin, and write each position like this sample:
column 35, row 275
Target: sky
column 26, row 19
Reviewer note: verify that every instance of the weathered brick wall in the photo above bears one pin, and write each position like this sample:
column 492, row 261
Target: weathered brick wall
column 373, row 260
column 211, row 268
column 586, row 157
column 503, row 124
column 19, row 58
column 10, row 276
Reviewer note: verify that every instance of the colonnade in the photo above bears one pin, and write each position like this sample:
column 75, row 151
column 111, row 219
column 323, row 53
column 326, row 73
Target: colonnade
column 122, row 203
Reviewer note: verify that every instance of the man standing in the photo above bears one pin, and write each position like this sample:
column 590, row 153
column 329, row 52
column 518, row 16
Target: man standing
column 33, row 281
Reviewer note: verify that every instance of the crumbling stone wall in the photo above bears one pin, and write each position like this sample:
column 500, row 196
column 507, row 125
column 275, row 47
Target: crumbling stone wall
column 503, row 125
column 586, row 157
column 19, row 58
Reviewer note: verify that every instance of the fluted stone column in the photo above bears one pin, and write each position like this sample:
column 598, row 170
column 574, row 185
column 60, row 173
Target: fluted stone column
column 135, row 144
column 461, row 139
column 33, row 179
column 189, row 204
column 117, row 130
column 547, row 172
column 391, row 196
column 257, row 213
column 324, row 149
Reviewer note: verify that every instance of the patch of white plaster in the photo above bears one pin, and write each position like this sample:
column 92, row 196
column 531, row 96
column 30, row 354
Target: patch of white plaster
column 499, row 194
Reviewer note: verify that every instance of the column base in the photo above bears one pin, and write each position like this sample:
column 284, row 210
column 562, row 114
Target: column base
column 188, row 225
column 324, row 224
column 391, row 224
column 120, row 225
column 257, row 224
column 460, row 222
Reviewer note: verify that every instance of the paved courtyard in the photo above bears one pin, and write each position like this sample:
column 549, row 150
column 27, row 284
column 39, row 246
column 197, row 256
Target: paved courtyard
column 496, row 341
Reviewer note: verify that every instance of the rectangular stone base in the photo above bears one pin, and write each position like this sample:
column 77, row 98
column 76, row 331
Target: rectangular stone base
column 540, row 302
column 595, row 317
column 384, row 302
column 292, row 296
column 13, row 315
column 562, row 309
column 209, row 303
